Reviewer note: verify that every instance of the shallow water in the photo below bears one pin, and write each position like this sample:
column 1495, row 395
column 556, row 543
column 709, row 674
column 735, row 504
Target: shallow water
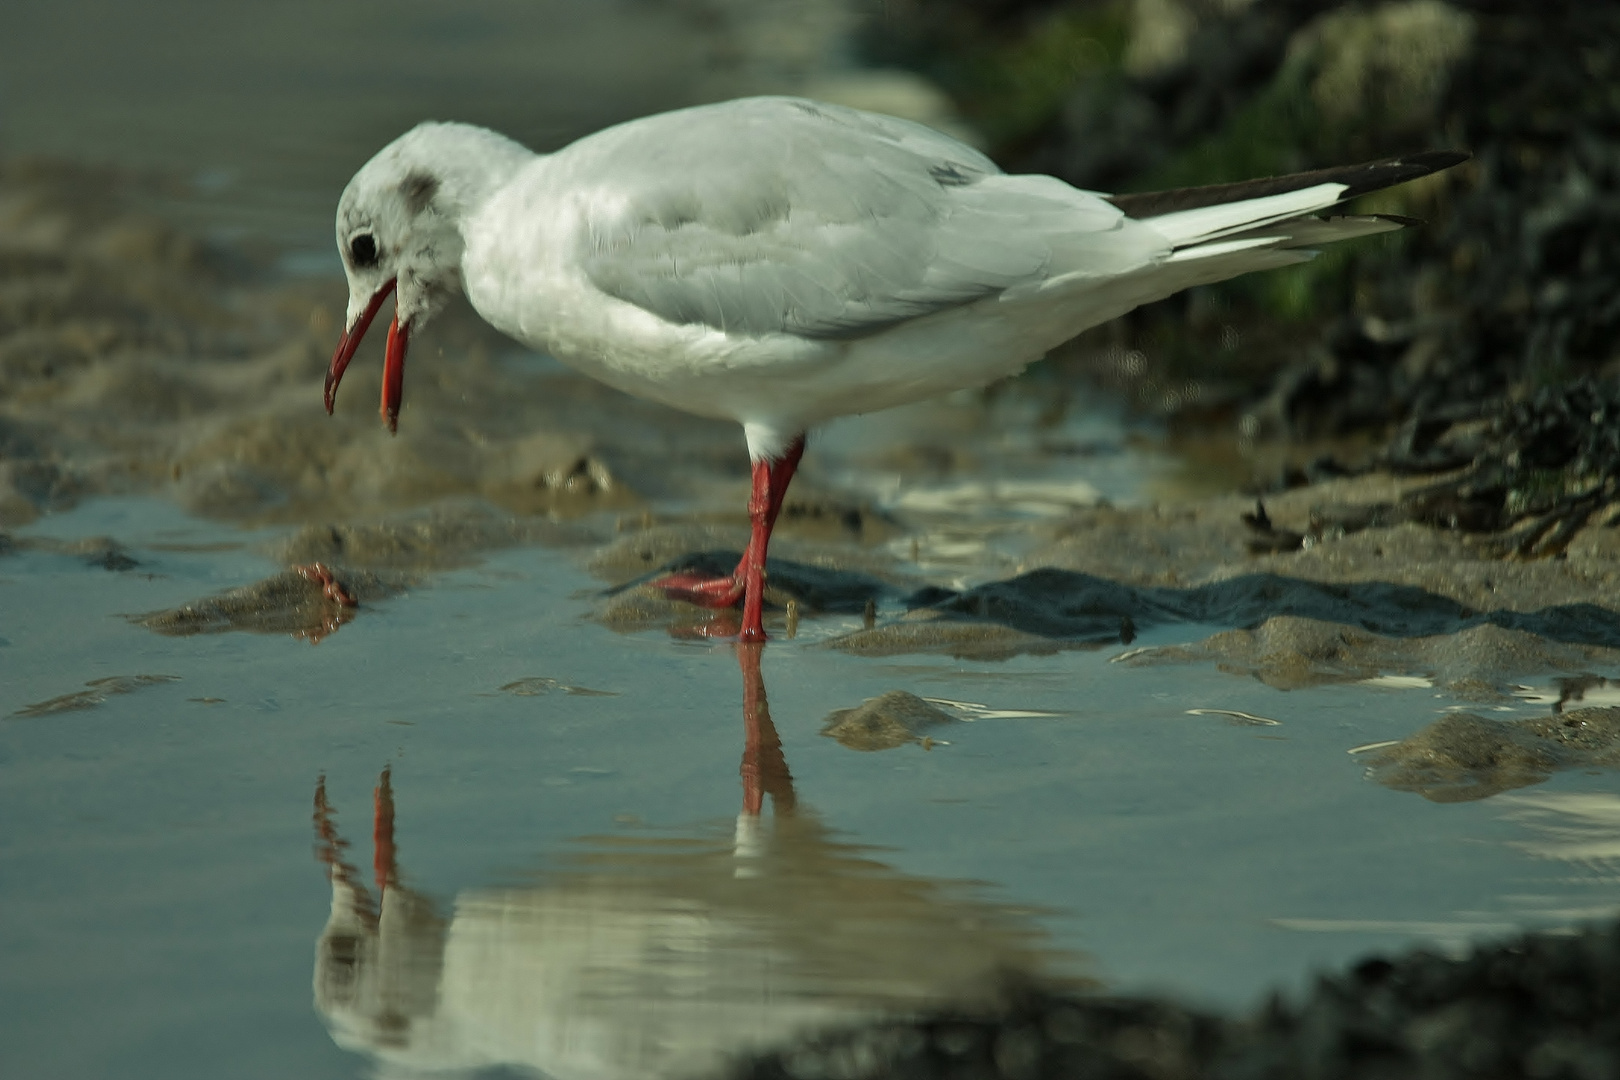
column 163, row 904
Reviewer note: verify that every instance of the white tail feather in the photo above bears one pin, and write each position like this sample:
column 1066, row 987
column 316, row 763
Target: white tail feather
column 1187, row 227
column 1278, row 244
column 1312, row 231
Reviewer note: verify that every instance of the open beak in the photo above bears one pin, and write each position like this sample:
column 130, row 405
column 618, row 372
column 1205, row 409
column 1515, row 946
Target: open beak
column 393, row 388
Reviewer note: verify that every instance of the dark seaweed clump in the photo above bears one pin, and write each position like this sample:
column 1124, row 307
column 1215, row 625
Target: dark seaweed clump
column 1536, row 1006
column 1525, row 474
column 1532, row 471
column 1518, row 287
column 1048, row 85
column 1514, row 283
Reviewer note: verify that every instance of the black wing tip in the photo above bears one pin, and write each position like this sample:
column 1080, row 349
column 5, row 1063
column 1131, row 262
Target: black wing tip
column 1387, row 172
column 1435, row 160
column 1361, row 179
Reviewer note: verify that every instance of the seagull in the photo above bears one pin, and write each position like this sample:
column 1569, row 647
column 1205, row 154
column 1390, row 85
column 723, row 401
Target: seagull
column 780, row 262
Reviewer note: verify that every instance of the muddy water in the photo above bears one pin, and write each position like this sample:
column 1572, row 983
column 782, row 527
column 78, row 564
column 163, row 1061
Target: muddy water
column 497, row 816
column 551, row 782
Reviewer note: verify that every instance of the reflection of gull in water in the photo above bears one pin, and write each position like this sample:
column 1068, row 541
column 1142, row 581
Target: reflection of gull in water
column 653, row 956
column 1581, row 829
column 1576, row 827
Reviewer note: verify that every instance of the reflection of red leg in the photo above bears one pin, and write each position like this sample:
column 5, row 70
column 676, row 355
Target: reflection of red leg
column 329, row 845
column 383, row 864
column 747, row 582
column 764, row 768
column 754, row 706
column 329, row 850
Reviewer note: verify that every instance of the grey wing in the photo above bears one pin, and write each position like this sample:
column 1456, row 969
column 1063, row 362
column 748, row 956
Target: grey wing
column 775, row 215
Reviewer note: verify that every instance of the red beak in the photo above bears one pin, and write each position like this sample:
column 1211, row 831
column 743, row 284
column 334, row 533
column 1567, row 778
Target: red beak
column 393, row 388
column 393, row 366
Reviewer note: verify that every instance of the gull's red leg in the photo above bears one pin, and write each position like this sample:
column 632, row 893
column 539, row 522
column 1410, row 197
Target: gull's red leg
column 771, row 479
column 747, row 583
column 778, row 476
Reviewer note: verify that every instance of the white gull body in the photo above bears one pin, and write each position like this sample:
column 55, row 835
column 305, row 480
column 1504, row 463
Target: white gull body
column 781, row 262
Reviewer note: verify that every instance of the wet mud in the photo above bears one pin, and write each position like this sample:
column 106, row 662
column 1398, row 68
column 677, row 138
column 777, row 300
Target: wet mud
column 1401, row 598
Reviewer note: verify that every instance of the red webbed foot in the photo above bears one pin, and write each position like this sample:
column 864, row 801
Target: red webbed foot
column 331, row 587
column 704, row 590
column 746, row 585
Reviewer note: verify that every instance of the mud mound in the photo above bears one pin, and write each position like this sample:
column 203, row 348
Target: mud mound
column 1463, row 757
column 288, row 603
column 887, row 721
column 1474, row 663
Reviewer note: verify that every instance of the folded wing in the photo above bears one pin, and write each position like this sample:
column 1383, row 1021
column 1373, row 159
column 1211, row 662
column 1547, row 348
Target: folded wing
column 774, row 215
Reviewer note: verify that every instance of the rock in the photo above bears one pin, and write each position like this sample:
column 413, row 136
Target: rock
column 1462, row 757
column 885, row 722
column 961, row 639
column 287, row 603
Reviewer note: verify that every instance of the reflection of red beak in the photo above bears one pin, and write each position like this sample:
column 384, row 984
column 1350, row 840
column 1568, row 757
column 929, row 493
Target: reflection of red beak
column 393, row 388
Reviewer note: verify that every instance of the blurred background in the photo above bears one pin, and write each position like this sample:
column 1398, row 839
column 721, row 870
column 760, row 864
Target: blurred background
column 148, row 149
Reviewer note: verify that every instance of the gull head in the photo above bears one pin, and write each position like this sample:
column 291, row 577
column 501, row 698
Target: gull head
column 399, row 231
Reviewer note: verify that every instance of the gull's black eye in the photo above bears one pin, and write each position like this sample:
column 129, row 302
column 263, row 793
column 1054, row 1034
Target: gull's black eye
column 363, row 250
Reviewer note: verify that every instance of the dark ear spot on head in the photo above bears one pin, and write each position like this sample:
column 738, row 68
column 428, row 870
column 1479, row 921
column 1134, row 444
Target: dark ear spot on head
column 418, row 189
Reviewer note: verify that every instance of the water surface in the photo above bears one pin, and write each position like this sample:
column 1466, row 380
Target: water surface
column 164, row 888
